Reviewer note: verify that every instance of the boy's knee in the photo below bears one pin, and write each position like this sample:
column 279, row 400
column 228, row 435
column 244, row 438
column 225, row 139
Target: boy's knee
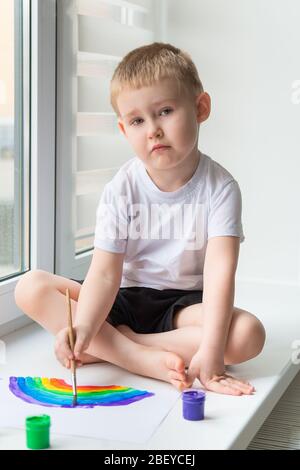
column 31, row 285
column 256, row 337
column 247, row 340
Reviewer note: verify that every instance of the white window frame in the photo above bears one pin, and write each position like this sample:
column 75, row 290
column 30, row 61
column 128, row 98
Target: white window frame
column 41, row 144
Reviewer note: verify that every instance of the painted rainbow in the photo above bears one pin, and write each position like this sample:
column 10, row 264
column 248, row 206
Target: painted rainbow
column 57, row 393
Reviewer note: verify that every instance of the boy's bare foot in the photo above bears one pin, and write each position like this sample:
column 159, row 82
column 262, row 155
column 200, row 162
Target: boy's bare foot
column 161, row 365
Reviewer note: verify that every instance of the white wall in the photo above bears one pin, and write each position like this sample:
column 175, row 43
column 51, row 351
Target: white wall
column 247, row 53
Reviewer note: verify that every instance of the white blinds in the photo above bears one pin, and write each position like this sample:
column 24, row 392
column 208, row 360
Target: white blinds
column 92, row 37
column 106, row 31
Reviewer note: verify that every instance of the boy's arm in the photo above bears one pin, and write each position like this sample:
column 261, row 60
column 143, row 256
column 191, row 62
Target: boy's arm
column 218, row 292
column 218, row 296
column 98, row 293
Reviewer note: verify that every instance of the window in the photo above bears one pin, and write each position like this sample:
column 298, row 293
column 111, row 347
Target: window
column 27, row 142
column 14, row 138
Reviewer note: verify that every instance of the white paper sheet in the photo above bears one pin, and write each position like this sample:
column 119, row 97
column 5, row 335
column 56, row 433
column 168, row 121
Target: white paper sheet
column 135, row 422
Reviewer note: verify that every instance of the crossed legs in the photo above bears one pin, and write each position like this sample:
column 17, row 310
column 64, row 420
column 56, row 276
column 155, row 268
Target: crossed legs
column 41, row 295
column 246, row 335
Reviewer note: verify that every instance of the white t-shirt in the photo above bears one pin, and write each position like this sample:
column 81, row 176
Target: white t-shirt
column 164, row 234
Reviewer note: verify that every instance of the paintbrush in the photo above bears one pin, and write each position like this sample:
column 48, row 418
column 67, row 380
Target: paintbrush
column 71, row 340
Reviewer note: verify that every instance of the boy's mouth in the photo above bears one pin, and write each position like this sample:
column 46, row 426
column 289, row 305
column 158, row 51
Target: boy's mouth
column 160, row 147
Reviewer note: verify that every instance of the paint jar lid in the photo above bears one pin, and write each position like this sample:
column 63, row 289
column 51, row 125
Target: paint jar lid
column 37, row 432
column 193, row 404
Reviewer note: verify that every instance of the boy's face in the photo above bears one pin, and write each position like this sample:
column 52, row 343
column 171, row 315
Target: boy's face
column 173, row 122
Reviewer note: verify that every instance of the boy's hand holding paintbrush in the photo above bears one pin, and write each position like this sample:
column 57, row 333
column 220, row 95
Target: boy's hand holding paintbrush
column 66, row 347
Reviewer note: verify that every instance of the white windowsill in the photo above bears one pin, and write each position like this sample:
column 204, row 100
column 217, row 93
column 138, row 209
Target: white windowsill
column 231, row 422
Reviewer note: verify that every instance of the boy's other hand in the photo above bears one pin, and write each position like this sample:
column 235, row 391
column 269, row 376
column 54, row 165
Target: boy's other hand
column 212, row 375
column 63, row 352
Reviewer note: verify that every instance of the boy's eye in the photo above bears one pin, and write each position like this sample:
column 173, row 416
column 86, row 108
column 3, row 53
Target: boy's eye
column 168, row 110
column 133, row 122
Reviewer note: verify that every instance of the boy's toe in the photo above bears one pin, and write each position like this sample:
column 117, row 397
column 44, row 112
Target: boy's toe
column 175, row 363
column 174, row 375
column 178, row 384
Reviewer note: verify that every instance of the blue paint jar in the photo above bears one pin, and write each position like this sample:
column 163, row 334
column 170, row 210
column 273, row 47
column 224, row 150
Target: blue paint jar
column 193, row 404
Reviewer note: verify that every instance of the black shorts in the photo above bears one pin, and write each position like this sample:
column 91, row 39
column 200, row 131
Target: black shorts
column 147, row 310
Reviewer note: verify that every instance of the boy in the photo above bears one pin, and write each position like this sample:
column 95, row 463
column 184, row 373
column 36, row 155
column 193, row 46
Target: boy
column 158, row 296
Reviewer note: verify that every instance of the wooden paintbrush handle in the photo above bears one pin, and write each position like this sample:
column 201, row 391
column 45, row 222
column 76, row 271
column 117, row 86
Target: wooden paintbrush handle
column 70, row 323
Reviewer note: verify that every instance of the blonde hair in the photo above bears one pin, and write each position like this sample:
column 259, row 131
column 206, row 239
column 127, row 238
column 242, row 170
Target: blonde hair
column 147, row 65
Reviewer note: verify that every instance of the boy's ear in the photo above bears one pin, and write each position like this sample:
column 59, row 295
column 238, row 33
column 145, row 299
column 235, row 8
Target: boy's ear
column 203, row 105
column 121, row 127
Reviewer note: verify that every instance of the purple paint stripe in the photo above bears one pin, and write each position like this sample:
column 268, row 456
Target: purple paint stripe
column 15, row 388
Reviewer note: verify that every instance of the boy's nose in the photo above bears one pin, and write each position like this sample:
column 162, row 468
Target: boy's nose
column 155, row 132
